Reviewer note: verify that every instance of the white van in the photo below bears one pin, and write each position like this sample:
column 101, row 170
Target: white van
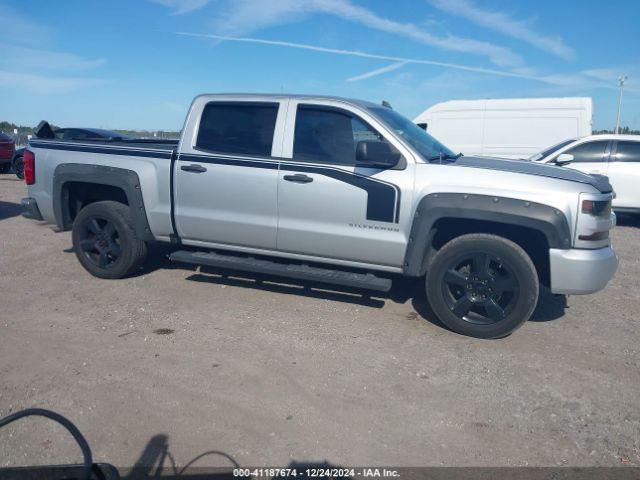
column 511, row 128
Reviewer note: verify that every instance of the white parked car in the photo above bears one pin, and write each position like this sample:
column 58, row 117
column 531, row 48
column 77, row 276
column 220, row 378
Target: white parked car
column 616, row 156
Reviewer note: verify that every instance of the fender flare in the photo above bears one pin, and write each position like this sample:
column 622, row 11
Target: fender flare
column 550, row 221
column 127, row 180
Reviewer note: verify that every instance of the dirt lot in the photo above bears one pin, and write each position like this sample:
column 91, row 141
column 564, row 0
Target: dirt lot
column 268, row 373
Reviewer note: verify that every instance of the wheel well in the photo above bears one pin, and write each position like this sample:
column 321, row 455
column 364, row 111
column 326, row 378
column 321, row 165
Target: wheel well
column 532, row 241
column 77, row 195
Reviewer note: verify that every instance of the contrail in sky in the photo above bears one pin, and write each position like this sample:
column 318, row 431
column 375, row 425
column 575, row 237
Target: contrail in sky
column 355, row 53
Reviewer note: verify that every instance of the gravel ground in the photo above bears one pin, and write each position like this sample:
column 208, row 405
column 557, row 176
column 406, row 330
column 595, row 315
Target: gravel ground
column 269, row 373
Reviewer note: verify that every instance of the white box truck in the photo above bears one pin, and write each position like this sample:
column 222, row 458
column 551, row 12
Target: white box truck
column 511, row 128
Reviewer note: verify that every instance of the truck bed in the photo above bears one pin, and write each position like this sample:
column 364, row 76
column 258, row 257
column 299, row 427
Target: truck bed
column 143, row 162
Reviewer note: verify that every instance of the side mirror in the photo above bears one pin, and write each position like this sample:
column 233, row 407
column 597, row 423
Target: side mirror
column 564, row 158
column 376, row 154
column 422, row 126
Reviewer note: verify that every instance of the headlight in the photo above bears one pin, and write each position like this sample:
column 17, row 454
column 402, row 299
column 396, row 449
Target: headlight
column 595, row 220
column 597, row 208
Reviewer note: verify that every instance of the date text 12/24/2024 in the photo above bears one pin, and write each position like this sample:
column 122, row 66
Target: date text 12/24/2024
column 315, row 472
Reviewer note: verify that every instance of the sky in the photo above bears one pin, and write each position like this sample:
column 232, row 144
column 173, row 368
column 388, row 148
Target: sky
column 138, row 63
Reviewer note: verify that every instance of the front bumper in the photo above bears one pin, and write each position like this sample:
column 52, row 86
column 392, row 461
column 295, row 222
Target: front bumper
column 30, row 209
column 578, row 271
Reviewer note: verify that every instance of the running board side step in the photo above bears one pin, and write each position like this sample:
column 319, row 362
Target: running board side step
column 298, row 271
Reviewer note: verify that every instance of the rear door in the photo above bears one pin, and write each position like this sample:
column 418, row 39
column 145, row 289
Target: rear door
column 327, row 206
column 624, row 173
column 226, row 176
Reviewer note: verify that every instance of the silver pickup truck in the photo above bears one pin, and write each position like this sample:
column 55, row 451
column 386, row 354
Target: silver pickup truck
column 332, row 190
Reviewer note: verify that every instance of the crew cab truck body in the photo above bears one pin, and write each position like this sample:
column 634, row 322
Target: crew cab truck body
column 334, row 190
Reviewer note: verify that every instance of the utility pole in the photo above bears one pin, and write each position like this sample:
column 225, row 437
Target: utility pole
column 621, row 80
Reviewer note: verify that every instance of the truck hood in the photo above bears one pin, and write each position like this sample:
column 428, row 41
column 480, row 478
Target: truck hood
column 527, row 167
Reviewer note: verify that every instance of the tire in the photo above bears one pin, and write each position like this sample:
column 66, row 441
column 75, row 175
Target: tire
column 18, row 167
column 482, row 286
column 5, row 167
column 105, row 241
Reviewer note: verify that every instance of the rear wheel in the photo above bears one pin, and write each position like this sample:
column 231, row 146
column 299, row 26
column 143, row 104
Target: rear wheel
column 5, row 167
column 18, row 167
column 482, row 285
column 105, row 241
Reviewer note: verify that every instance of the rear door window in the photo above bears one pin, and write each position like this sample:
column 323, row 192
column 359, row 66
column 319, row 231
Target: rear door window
column 589, row 151
column 240, row 128
column 628, row 152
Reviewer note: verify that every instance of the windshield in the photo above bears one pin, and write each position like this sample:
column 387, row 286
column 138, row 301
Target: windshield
column 545, row 153
column 425, row 144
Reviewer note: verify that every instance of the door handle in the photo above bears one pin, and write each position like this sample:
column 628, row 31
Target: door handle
column 193, row 168
column 298, row 178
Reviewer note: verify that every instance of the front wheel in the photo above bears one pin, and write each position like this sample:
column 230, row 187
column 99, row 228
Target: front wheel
column 482, row 285
column 105, row 241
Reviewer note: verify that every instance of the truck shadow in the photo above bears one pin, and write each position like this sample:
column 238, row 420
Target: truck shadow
column 157, row 260
column 287, row 286
column 9, row 210
column 626, row 220
column 550, row 307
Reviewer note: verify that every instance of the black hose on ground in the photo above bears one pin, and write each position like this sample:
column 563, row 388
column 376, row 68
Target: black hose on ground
column 56, row 417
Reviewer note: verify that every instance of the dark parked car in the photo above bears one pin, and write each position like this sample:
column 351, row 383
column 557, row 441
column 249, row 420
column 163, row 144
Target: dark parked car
column 69, row 134
column 7, row 148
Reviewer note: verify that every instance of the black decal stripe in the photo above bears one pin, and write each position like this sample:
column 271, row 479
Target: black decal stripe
column 132, row 152
column 266, row 164
column 396, row 217
column 381, row 196
column 383, row 199
column 534, row 168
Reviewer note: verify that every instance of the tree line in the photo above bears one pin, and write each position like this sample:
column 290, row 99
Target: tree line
column 9, row 127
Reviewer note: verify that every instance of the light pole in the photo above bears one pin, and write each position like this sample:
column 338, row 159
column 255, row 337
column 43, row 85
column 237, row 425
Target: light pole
column 621, row 80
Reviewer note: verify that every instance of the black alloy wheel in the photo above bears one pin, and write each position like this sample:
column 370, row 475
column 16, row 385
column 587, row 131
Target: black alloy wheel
column 478, row 288
column 100, row 242
column 105, row 240
column 482, row 285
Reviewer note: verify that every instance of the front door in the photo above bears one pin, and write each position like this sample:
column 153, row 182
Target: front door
column 590, row 156
column 329, row 207
column 226, row 182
